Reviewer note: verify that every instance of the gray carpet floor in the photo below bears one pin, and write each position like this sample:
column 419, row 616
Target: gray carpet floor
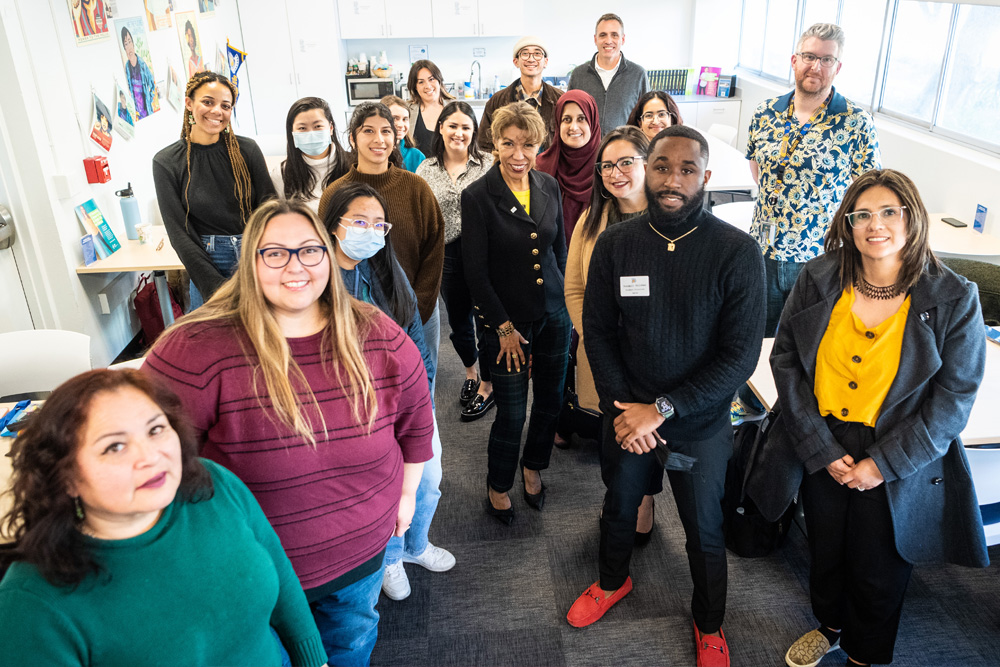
column 505, row 601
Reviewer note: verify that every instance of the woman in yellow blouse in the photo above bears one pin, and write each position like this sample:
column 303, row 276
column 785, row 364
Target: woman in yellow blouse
column 877, row 359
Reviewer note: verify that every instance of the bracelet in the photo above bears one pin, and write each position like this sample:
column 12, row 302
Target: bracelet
column 505, row 330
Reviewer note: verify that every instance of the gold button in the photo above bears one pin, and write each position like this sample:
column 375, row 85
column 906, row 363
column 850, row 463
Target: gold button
column 538, row 267
column 534, row 236
column 539, row 281
column 535, row 251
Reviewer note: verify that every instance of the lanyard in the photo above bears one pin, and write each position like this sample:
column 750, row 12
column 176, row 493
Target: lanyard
column 788, row 145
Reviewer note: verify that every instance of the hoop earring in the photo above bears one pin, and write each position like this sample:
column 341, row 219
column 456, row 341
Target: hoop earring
column 79, row 509
column 604, row 196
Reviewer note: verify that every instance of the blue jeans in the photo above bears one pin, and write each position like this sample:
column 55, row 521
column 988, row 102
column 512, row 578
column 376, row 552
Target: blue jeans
column 780, row 277
column 428, row 494
column 348, row 621
column 432, row 337
column 224, row 251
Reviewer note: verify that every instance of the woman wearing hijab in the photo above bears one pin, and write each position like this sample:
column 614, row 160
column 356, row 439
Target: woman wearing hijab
column 570, row 158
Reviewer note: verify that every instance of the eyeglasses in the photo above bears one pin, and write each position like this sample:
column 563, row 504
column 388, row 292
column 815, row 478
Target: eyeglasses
column 810, row 58
column 658, row 115
column 278, row 258
column 531, row 55
column 625, row 165
column 362, row 226
column 887, row 215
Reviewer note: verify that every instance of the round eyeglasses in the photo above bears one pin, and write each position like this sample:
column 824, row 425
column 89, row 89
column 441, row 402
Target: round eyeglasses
column 887, row 215
column 661, row 115
column 277, row 258
column 358, row 227
column 625, row 165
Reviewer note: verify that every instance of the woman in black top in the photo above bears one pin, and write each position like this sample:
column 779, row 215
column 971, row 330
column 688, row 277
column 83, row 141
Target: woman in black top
column 207, row 184
column 514, row 251
column 427, row 100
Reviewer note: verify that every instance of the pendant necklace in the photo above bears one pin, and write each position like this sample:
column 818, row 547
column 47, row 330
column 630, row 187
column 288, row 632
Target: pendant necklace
column 672, row 243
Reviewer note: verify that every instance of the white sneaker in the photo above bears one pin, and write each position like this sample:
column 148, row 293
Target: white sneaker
column 395, row 584
column 433, row 558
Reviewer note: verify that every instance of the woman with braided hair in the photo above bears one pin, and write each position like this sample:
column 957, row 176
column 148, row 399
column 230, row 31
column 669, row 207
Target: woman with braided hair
column 207, row 184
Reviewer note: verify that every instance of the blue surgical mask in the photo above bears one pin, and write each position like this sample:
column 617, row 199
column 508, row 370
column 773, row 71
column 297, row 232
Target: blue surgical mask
column 311, row 143
column 361, row 245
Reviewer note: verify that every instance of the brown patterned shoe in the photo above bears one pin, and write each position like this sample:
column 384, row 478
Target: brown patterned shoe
column 809, row 649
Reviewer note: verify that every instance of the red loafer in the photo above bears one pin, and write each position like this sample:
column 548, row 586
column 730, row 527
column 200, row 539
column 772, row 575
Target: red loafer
column 590, row 606
column 711, row 651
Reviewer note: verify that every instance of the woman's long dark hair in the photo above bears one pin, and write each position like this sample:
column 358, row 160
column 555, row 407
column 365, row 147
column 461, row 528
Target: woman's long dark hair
column 298, row 177
column 635, row 118
column 437, row 145
column 42, row 519
column 599, row 197
column 387, row 270
column 365, row 111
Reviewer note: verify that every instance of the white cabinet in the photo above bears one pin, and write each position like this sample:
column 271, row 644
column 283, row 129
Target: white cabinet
column 702, row 111
column 373, row 19
column 408, row 18
column 477, row 18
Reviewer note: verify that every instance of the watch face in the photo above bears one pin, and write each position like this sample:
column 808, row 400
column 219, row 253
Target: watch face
column 664, row 408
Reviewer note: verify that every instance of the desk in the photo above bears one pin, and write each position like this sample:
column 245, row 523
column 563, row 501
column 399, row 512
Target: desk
column 730, row 169
column 135, row 256
column 961, row 241
column 982, row 428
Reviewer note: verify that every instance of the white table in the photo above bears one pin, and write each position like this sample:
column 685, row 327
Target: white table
column 982, row 430
column 730, row 170
column 961, row 241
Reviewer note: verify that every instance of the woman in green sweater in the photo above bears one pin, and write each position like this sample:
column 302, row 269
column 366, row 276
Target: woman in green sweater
column 130, row 550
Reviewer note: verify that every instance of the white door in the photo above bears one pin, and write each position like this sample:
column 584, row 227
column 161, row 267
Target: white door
column 13, row 304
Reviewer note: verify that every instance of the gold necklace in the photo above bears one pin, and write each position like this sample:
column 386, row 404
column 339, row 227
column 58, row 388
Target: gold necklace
column 672, row 243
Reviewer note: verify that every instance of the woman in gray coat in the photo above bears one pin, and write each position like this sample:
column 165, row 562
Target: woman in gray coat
column 878, row 356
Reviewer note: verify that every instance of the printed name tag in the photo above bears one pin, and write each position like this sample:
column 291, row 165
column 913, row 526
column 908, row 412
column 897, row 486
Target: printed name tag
column 635, row 285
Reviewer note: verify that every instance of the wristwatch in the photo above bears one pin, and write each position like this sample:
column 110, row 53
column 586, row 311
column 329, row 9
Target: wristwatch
column 664, row 407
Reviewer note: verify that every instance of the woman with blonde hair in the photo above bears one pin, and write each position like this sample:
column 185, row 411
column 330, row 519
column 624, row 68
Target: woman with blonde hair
column 208, row 183
column 319, row 403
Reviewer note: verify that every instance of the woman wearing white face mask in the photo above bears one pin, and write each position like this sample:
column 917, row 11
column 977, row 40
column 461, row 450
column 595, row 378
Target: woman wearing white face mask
column 315, row 157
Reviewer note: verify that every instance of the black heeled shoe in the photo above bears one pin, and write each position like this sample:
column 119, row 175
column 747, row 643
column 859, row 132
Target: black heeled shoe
column 535, row 500
column 505, row 517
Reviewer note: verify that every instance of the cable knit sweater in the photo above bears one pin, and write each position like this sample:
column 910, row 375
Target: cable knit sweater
column 417, row 227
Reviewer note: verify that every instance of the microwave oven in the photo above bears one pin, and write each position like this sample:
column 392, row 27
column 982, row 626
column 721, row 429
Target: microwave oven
column 368, row 90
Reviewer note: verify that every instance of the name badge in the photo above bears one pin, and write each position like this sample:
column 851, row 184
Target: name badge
column 635, row 285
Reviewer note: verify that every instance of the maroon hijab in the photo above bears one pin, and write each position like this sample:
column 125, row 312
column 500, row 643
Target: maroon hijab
column 573, row 167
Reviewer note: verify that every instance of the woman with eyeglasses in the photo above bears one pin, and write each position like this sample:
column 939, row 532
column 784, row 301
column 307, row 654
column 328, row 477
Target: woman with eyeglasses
column 455, row 163
column 655, row 111
column 319, row 403
column 877, row 362
column 427, row 99
column 619, row 194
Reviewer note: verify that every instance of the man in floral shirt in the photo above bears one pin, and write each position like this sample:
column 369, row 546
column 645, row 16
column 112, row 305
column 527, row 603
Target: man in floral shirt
column 805, row 148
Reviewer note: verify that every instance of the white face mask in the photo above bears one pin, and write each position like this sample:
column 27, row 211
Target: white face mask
column 311, row 143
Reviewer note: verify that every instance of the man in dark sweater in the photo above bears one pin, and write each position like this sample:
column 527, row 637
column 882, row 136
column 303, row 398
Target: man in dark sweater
column 674, row 317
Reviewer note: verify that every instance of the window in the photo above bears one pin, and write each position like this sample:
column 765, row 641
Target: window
column 752, row 37
column 818, row 11
column 970, row 104
column 861, row 48
column 779, row 38
column 919, row 40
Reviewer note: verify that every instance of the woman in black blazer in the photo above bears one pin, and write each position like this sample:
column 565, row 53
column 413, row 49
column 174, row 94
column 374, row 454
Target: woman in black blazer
column 514, row 251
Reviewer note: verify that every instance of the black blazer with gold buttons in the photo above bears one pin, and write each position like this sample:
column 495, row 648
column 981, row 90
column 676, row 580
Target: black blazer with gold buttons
column 514, row 262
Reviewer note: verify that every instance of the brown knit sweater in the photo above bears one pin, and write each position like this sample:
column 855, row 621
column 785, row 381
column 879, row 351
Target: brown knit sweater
column 417, row 227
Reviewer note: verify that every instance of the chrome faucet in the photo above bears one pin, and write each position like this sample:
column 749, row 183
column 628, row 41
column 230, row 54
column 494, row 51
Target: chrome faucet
column 479, row 86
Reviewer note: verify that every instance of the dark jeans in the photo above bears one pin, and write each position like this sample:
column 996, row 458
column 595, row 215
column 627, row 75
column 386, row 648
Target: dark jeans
column 779, row 277
column 698, row 495
column 461, row 314
column 857, row 579
column 224, row 252
column 548, row 349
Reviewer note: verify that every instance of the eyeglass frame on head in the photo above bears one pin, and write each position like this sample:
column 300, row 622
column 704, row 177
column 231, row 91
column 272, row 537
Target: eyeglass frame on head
column 292, row 251
column 824, row 61
column 662, row 113
column 611, row 166
column 366, row 226
column 850, row 217
column 538, row 56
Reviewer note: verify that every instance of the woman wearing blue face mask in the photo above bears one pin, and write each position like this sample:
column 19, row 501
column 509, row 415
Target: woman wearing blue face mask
column 315, row 157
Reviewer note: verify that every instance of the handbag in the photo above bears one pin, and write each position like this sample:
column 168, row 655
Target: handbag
column 147, row 307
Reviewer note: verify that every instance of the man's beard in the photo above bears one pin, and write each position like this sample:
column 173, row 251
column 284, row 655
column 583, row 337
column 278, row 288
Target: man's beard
column 689, row 206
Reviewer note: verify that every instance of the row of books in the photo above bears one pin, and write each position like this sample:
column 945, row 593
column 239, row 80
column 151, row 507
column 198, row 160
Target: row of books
column 692, row 81
column 99, row 240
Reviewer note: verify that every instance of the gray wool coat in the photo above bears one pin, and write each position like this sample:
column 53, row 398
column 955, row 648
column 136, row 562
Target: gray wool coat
column 935, row 514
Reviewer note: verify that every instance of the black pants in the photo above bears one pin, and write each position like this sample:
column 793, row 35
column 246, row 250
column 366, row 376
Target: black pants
column 857, row 579
column 698, row 495
column 461, row 314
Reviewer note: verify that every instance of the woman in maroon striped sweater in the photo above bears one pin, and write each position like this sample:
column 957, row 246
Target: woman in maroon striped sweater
column 319, row 403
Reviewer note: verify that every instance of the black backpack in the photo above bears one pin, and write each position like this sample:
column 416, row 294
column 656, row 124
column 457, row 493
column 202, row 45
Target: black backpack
column 748, row 533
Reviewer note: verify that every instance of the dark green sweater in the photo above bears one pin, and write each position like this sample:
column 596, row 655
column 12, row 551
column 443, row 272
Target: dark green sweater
column 199, row 588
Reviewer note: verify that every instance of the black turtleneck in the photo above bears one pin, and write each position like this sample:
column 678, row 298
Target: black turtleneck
column 697, row 336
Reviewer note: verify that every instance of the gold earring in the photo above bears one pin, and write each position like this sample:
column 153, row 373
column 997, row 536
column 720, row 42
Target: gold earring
column 79, row 508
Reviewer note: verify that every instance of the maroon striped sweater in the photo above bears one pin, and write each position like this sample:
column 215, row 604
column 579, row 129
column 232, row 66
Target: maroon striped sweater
column 333, row 506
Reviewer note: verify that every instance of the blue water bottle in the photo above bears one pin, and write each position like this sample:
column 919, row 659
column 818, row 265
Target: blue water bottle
column 130, row 212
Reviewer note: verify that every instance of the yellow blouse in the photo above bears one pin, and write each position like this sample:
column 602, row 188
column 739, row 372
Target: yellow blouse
column 855, row 364
column 524, row 199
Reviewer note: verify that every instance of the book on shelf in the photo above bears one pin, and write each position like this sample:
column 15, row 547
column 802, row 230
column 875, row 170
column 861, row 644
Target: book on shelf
column 708, row 81
column 671, row 81
column 94, row 223
column 727, row 85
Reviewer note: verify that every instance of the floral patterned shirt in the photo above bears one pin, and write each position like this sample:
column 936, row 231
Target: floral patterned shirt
column 840, row 145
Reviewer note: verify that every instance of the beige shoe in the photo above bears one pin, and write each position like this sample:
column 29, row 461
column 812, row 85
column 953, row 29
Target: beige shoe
column 809, row 649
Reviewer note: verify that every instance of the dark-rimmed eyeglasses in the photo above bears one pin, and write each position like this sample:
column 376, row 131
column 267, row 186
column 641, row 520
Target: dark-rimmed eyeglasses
column 531, row 55
column 625, row 165
column 810, row 58
column 277, row 258
column 363, row 226
column 864, row 218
